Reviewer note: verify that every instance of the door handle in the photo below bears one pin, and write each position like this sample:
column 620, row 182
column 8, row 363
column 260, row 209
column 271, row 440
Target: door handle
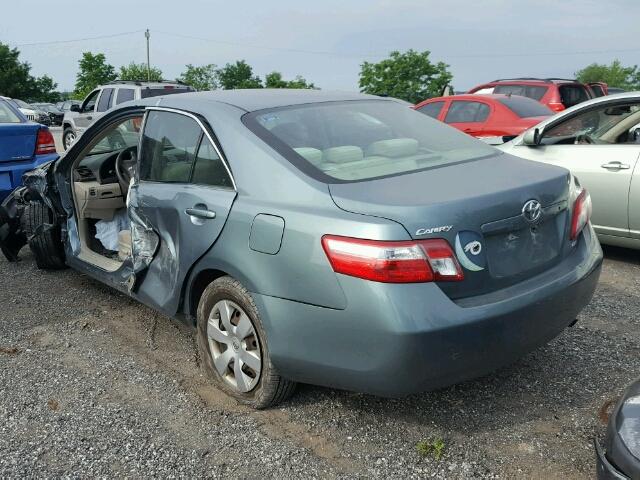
column 615, row 166
column 200, row 213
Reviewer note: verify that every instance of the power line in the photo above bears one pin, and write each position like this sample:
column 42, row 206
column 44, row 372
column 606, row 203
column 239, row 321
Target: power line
column 99, row 37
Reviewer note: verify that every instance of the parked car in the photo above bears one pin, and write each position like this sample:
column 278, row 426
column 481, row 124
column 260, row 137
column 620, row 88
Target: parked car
column 495, row 118
column 555, row 93
column 598, row 141
column 23, row 146
column 55, row 114
column 337, row 239
column 66, row 105
column 104, row 97
column 615, row 90
column 620, row 458
column 30, row 112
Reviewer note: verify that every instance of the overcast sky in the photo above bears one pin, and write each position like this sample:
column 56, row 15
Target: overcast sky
column 326, row 41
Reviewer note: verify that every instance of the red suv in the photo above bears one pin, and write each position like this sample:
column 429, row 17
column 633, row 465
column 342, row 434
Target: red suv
column 556, row 93
column 486, row 115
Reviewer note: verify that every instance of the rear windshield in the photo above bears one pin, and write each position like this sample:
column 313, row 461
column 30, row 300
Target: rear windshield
column 7, row 115
column 529, row 91
column 362, row 140
column 573, row 94
column 167, row 90
column 525, row 107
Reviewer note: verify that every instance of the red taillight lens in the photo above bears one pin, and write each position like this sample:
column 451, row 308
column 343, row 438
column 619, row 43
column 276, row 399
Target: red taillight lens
column 393, row 262
column 556, row 106
column 44, row 142
column 581, row 214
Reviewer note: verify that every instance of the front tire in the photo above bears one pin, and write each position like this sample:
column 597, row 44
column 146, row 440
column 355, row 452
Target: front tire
column 233, row 345
column 68, row 137
column 43, row 238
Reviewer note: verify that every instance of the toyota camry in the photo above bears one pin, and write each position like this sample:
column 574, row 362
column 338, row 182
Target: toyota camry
column 336, row 239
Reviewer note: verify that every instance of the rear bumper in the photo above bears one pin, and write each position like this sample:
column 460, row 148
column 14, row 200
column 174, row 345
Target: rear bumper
column 11, row 172
column 394, row 340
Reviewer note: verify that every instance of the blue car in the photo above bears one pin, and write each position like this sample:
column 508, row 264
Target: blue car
column 24, row 145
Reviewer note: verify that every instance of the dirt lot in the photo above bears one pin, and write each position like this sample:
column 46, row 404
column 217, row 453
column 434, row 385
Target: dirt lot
column 92, row 383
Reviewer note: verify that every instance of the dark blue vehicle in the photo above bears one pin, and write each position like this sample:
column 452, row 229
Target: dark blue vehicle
column 24, row 145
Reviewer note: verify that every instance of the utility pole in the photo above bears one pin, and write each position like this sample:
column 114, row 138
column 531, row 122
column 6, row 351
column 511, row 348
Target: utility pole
column 147, row 35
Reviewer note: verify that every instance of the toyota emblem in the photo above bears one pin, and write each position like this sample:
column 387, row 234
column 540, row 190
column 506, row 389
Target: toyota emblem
column 532, row 211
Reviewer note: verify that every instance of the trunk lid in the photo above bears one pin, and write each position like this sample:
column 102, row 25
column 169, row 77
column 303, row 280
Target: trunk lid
column 17, row 141
column 477, row 207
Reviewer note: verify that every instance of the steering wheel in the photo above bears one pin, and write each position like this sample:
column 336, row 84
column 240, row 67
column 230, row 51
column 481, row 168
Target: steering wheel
column 583, row 139
column 125, row 167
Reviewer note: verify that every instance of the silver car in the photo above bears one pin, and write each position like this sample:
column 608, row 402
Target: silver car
column 599, row 142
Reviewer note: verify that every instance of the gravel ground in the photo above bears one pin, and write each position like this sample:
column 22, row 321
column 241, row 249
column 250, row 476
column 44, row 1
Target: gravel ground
column 95, row 384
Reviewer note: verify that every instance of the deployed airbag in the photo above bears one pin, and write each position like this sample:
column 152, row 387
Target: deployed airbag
column 107, row 230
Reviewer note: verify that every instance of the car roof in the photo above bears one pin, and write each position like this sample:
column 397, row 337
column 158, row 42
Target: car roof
column 262, row 98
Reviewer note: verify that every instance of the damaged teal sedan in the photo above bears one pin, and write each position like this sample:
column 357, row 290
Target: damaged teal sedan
column 330, row 238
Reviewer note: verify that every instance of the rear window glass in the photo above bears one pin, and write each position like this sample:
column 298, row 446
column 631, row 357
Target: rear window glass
column 525, row 107
column 529, row 91
column 168, row 90
column 573, row 94
column 360, row 140
column 7, row 115
column 431, row 109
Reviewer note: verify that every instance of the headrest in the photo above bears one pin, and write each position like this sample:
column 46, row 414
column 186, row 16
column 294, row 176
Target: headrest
column 395, row 147
column 312, row 155
column 344, row 154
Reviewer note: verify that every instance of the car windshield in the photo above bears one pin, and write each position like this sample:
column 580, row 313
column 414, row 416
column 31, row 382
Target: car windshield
column 529, row 91
column 525, row 107
column 361, row 140
column 7, row 115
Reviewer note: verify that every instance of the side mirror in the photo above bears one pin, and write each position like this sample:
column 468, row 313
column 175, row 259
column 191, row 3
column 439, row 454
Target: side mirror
column 532, row 137
column 74, row 107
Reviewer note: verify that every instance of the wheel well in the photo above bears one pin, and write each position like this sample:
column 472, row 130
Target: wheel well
column 66, row 125
column 202, row 281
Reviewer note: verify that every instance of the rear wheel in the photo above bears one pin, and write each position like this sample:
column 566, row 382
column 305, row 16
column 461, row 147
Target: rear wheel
column 43, row 236
column 234, row 347
column 68, row 137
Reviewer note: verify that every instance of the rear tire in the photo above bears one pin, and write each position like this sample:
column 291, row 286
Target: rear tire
column 46, row 244
column 269, row 388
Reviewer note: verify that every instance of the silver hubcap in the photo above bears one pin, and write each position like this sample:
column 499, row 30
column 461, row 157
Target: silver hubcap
column 234, row 346
column 69, row 138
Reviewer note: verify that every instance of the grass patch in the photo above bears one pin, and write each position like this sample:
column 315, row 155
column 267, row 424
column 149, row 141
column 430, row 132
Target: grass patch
column 431, row 448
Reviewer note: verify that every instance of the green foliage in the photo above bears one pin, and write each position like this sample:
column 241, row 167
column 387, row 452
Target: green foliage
column 16, row 80
column 238, row 75
column 428, row 447
column 614, row 75
column 410, row 76
column 275, row 80
column 138, row 71
column 94, row 70
column 201, row 78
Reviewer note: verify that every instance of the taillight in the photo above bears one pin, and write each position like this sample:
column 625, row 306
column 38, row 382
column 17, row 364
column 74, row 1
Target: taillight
column 581, row 214
column 44, row 142
column 393, row 262
column 556, row 106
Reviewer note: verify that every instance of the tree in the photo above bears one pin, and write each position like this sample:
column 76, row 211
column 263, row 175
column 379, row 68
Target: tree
column 201, row 78
column 410, row 76
column 45, row 90
column 238, row 75
column 138, row 71
column 274, row 80
column 94, row 71
column 16, row 80
column 614, row 75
